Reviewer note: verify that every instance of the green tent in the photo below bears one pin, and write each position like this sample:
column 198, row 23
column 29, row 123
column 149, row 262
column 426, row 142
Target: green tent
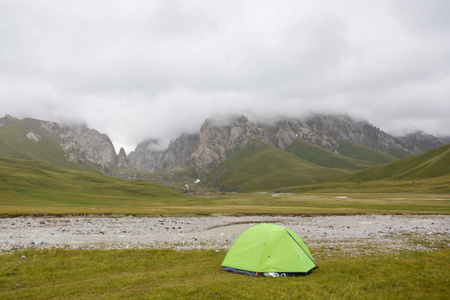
column 269, row 248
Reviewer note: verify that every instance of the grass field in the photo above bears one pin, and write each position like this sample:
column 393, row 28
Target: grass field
column 365, row 153
column 34, row 188
column 417, row 184
column 29, row 187
column 326, row 158
column 432, row 164
column 256, row 203
column 167, row 274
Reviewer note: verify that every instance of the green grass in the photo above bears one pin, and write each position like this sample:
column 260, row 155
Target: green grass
column 167, row 274
column 422, row 147
column 310, row 202
column 425, row 173
column 363, row 153
column 439, row 186
column 15, row 144
column 30, row 188
column 434, row 163
column 326, row 158
column 33, row 183
column 398, row 153
column 259, row 166
column 174, row 177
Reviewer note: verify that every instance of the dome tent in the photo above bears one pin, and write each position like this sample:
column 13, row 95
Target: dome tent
column 269, row 248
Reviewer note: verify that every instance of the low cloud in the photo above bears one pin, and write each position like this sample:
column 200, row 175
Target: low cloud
column 155, row 69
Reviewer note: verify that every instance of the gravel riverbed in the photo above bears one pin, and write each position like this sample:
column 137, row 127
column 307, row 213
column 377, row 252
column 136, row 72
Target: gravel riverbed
column 354, row 235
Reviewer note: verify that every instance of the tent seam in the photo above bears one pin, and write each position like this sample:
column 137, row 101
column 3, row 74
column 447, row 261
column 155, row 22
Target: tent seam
column 301, row 248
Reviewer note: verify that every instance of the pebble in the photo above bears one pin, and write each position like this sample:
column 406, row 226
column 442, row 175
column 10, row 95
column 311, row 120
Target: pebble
column 219, row 232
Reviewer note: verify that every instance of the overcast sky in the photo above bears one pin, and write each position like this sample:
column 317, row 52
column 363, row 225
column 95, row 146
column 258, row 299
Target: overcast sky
column 153, row 69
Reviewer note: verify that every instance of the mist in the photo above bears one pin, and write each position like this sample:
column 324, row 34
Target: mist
column 156, row 69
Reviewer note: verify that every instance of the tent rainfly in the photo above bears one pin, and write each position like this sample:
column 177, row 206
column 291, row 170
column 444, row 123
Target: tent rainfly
column 270, row 250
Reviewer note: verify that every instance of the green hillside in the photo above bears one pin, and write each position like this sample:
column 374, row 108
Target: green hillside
column 425, row 173
column 326, row 158
column 422, row 147
column 175, row 177
column 433, row 163
column 259, row 166
column 364, row 153
column 399, row 154
column 40, row 184
column 15, row 144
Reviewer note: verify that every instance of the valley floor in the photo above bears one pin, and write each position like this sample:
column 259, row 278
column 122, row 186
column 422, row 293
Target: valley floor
column 335, row 236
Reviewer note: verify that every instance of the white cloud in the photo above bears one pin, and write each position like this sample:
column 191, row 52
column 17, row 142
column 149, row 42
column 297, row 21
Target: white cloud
column 142, row 69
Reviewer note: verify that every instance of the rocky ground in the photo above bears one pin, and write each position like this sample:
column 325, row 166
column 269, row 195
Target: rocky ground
column 348, row 235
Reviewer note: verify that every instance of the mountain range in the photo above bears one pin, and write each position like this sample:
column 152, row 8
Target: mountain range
column 208, row 148
column 236, row 155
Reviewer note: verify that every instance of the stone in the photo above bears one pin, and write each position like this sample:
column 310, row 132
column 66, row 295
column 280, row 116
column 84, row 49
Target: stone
column 34, row 137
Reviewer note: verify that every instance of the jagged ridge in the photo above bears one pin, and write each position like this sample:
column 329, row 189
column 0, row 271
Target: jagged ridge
column 208, row 148
column 51, row 143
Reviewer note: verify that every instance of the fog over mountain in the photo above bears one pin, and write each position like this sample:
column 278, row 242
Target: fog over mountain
column 154, row 69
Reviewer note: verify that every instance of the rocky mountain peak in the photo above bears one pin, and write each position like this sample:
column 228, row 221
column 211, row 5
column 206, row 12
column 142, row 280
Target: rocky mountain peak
column 423, row 138
column 148, row 155
column 445, row 139
column 82, row 143
column 7, row 119
column 66, row 141
column 97, row 146
column 122, row 161
column 209, row 147
column 122, row 152
column 342, row 127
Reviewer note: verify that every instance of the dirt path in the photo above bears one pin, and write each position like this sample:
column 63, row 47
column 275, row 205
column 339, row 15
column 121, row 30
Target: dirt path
column 348, row 234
